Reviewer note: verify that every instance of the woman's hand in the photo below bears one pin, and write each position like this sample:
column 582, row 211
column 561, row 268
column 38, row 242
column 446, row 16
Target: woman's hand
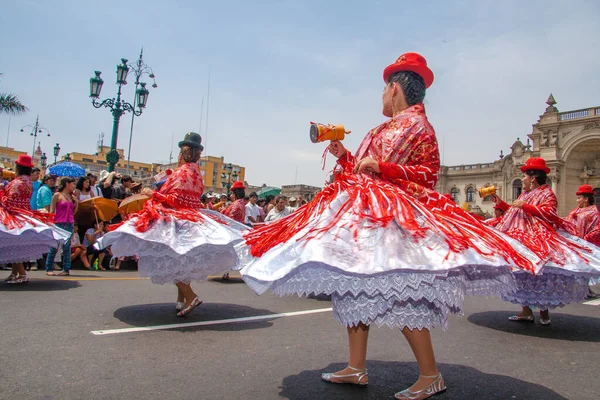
column 337, row 148
column 518, row 203
column 368, row 165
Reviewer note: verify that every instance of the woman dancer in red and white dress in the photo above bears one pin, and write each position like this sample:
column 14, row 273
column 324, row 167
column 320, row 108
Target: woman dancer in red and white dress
column 25, row 235
column 586, row 216
column 176, row 240
column 586, row 219
column 569, row 262
column 382, row 242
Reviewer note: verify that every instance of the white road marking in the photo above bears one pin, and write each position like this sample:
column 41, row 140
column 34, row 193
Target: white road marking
column 205, row 323
column 595, row 302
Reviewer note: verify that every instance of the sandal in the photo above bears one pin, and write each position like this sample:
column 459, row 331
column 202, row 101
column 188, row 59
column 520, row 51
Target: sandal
column 195, row 303
column 360, row 374
column 10, row 277
column 179, row 305
column 436, row 387
column 19, row 279
column 520, row 318
column 50, row 273
column 63, row 273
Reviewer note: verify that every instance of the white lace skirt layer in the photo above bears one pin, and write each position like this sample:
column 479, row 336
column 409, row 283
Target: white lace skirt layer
column 178, row 250
column 381, row 275
column 559, row 285
column 29, row 242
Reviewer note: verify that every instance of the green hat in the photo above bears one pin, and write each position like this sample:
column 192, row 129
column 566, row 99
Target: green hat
column 193, row 140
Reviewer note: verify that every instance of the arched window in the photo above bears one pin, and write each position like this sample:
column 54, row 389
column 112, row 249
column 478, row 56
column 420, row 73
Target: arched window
column 517, row 188
column 470, row 194
column 454, row 194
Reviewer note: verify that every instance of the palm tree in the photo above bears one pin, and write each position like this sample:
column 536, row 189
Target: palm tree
column 10, row 104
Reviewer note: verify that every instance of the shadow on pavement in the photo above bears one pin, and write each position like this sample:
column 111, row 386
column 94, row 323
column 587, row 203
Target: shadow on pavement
column 573, row 328
column 39, row 285
column 387, row 378
column 165, row 314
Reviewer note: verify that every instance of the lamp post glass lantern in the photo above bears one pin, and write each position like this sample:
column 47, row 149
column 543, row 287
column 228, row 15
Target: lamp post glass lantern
column 139, row 69
column 56, row 152
column 43, row 160
column 117, row 106
column 226, row 177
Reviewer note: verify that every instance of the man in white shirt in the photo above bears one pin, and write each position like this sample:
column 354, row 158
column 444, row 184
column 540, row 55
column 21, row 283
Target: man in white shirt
column 252, row 211
column 280, row 210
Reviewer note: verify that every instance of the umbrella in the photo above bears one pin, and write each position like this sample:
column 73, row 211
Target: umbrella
column 96, row 209
column 268, row 190
column 133, row 203
column 67, row 168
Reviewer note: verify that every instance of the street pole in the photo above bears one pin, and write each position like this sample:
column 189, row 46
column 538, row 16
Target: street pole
column 116, row 106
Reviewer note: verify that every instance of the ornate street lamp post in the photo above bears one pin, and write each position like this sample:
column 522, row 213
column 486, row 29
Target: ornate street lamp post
column 35, row 129
column 43, row 160
column 139, row 69
column 68, row 157
column 117, row 106
column 56, row 152
column 226, row 178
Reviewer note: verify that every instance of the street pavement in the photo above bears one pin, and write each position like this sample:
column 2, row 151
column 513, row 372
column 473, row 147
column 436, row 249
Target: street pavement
column 64, row 338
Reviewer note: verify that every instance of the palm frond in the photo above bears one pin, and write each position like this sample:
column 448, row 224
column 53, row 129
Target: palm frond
column 10, row 104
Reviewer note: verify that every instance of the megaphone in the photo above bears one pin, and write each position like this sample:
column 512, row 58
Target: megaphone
column 487, row 191
column 322, row 132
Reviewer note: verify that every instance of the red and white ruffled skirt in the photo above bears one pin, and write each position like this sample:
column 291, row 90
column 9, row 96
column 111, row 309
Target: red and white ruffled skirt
column 385, row 253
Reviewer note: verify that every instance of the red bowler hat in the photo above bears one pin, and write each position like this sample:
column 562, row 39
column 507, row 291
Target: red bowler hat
column 536, row 164
column 410, row 62
column 238, row 185
column 585, row 189
column 24, row 160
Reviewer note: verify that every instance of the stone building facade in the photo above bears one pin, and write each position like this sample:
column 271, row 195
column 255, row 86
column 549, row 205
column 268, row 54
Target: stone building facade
column 568, row 141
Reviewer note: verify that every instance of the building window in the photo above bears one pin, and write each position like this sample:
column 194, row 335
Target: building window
column 454, row 194
column 517, row 189
column 470, row 194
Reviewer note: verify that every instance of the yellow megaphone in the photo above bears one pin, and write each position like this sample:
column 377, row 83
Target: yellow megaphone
column 322, row 132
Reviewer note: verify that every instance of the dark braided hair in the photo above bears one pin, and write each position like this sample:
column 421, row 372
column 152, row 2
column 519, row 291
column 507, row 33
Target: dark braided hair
column 412, row 86
column 591, row 200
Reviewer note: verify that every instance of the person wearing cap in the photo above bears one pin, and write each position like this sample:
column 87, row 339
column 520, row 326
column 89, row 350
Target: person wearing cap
column 532, row 219
column 107, row 180
column 25, row 234
column 380, row 240
column 586, row 218
column 237, row 209
column 293, row 202
column 173, row 236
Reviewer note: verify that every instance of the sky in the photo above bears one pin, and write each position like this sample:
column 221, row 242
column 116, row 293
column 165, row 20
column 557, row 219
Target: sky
column 275, row 66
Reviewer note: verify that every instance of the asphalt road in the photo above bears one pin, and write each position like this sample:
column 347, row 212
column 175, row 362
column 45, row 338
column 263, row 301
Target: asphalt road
column 49, row 350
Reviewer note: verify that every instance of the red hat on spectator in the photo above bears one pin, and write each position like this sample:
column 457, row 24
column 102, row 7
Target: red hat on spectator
column 238, row 185
column 24, row 160
column 585, row 189
column 413, row 62
column 536, row 164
